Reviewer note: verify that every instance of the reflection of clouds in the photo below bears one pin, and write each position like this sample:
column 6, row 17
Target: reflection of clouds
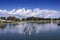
column 29, row 28
column 37, row 29
column 34, row 27
column 21, row 27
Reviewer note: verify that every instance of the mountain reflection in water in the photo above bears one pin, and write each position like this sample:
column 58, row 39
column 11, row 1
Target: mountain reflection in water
column 30, row 31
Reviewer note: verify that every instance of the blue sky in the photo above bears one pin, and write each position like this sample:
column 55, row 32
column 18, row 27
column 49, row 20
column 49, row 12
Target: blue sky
column 30, row 4
column 27, row 8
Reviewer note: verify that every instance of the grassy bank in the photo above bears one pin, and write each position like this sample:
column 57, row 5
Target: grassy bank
column 58, row 21
column 38, row 21
column 11, row 22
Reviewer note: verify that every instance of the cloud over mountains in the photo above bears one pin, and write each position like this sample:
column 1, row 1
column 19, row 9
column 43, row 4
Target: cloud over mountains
column 21, row 13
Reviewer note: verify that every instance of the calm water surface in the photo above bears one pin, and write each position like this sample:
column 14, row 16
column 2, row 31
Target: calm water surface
column 30, row 31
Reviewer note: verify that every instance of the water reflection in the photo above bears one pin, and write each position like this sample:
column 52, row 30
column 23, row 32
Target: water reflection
column 27, row 31
column 29, row 28
column 2, row 26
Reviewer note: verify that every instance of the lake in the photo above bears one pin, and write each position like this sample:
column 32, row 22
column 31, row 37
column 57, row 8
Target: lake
column 30, row 31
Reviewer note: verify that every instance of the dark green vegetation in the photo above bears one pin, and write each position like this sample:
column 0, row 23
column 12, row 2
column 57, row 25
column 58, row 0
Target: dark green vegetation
column 10, row 19
column 14, row 20
column 56, row 19
column 36, row 19
column 2, row 25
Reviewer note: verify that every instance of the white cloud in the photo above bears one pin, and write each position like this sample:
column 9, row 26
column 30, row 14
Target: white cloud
column 35, row 12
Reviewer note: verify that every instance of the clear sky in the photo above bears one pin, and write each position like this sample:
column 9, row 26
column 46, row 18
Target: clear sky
column 30, row 4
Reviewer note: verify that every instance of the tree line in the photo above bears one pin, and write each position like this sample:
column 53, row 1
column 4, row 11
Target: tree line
column 13, row 18
column 35, row 18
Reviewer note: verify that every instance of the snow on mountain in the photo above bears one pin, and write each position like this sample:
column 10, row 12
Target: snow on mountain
column 23, row 13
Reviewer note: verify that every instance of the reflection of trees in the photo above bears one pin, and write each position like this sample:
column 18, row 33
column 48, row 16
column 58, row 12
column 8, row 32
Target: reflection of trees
column 2, row 26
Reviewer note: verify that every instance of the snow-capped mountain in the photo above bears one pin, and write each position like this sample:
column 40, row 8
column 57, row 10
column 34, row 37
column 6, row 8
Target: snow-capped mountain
column 23, row 13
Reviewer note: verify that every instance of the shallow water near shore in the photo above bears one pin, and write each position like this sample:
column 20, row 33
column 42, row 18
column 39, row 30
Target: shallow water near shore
column 30, row 31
